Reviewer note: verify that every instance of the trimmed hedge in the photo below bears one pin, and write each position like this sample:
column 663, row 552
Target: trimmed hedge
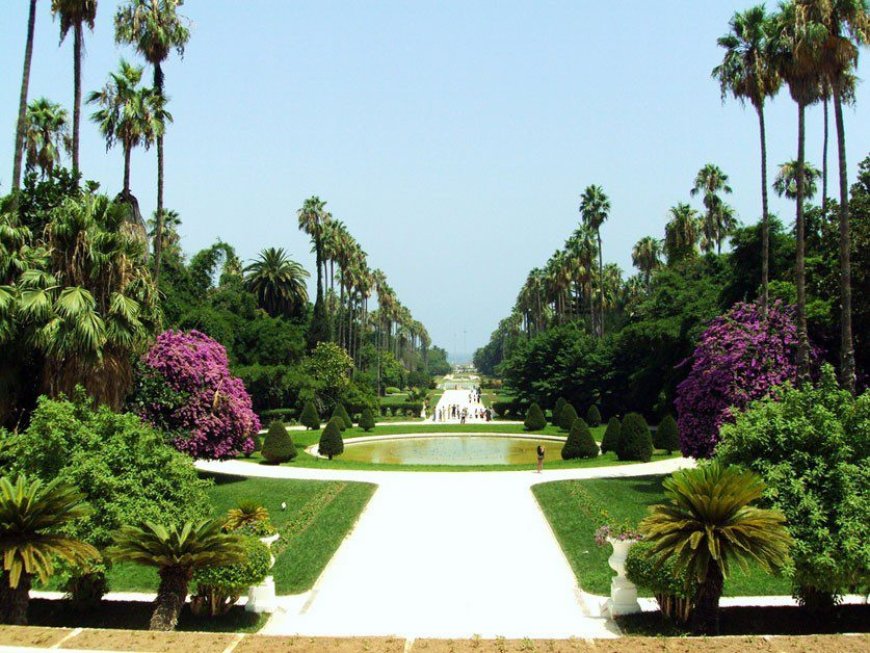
column 341, row 412
column 580, row 443
column 635, row 439
column 310, row 418
column 284, row 414
column 278, row 446
column 557, row 410
column 667, row 435
column 515, row 409
column 567, row 417
column 593, row 416
column 367, row 420
column 535, row 420
column 610, row 441
column 331, row 443
column 406, row 408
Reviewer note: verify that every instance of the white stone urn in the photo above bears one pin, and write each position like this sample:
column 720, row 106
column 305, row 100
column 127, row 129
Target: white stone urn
column 623, row 593
column 261, row 598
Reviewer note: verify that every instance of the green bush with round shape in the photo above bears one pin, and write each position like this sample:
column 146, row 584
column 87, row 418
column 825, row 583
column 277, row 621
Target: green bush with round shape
column 278, row 446
column 218, row 588
column 567, row 417
column 557, row 410
column 310, row 418
column 580, row 443
column 535, row 420
column 593, row 416
column 674, row 593
column 339, row 418
column 392, row 390
column 667, row 435
column 367, row 420
column 610, row 441
column 635, row 439
column 331, row 443
column 340, row 412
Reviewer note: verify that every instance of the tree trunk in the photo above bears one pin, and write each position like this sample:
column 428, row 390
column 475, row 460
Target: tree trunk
column 158, row 232
column 765, row 217
column 600, row 286
column 803, row 353
column 825, row 158
column 127, row 152
column 22, row 101
column 77, row 94
column 705, row 618
column 847, row 349
column 170, row 597
column 14, row 602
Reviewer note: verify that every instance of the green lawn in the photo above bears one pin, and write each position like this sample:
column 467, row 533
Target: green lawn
column 574, row 510
column 318, row 517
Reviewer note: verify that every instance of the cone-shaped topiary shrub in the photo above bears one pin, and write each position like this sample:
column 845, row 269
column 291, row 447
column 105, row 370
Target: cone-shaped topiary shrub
column 580, row 443
column 610, row 441
column 336, row 415
column 367, row 420
column 566, row 419
column 348, row 421
column 593, row 416
column 331, row 443
column 310, row 418
column 667, row 435
column 535, row 420
column 278, row 446
column 557, row 410
column 635, row 439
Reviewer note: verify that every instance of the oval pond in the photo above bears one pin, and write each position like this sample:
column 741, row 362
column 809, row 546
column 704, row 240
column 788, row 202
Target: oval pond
column 450, row 450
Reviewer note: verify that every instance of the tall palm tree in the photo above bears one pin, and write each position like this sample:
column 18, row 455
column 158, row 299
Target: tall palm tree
column 708, row 526
column 595, row 209
column 47, row 134
column 171, row 237
column 312, row 220
column 748, row 72
column 21, row 124
column 31, row 516
column 682, row 234
column 176, row 553
column 646, row 256
column 278, row 282
column 785, row 183
column 155, row 29
column 75, row 14
column 844, row 28
column 710, row 181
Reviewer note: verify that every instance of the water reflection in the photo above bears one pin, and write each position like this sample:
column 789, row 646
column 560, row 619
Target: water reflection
column 455, row 450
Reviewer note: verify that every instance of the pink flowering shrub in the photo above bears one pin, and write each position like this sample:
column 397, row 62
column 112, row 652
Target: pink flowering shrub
column 211, row 414
column 739, row 358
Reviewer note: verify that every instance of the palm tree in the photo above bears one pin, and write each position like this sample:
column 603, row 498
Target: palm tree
column 595, row 209
column 176, row 553
column 31, row 515
column 708, row 526
column 785, row 183
column 171, row 238
column 75, row 14
column 710, row 180
column 582, row 251
column 278, row 283
column 646, row 256
column 21, row 125
column 682, row 234
column 47, row 134
column 312, row 219
column 748, row 72
column 154, row 28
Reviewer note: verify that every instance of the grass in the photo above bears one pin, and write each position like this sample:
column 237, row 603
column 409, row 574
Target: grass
column 318, row 517
column 574, row 510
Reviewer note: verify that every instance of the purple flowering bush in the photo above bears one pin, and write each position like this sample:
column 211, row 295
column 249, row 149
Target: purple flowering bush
column 209, row 411
column 740, row 358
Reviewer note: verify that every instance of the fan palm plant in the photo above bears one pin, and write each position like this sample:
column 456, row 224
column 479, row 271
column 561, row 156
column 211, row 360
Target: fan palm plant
column 30, row 515
column 646, row 256
column 682, row 233
column 176, row 553
column 718, row 221
column 785, row 183
column 278, row 282
column 708, row 526
column 46, row 135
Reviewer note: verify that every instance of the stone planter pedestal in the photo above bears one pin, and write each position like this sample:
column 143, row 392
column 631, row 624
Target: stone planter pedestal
column 261, row 598
column 623, row 593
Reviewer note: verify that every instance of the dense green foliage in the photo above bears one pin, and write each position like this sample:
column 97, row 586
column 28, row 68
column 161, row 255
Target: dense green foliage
column 610, row 441
column 278, row 446
column 567, row 417
column 331, row 443
column 579, row 443
column 535, row 420
column 667, row 435
column 367, row 420
column 310, row 419
column 674, row 590
column 218, row 588
column 593, row 416
column 557, row 410
column 635, row 439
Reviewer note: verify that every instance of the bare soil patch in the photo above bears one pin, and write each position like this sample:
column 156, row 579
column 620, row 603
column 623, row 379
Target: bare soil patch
column 268, row 644
column 150, row 642
column 31, row 635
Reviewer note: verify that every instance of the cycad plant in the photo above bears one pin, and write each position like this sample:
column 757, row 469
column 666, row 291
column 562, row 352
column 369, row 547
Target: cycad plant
column 30, row 515
column 708, row 526
column 177, row 553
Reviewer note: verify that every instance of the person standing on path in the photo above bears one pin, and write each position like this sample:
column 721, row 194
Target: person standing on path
column 540, row 452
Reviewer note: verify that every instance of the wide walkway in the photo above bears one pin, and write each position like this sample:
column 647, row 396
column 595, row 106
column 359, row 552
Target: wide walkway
column 439, row 554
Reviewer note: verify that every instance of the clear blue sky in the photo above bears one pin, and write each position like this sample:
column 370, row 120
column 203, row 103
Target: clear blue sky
column 453, row 138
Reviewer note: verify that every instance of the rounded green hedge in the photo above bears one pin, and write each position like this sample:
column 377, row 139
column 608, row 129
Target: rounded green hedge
column 535, row 420
column 580, row 443
column 667, row 435
column 331, row 443
column 278, row 446
column 610, row 441
column 635, row 439
column 593, row 416
column 567, row 417
column 310, row 418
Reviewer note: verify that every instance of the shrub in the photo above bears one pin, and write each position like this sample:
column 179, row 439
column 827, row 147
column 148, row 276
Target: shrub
column 218, row 588
column 580, row 443
column 674, row 592
column 284, row 414
column 610, row 441
column 667, row 435
column 278, row 446
column 535, row 420
column 557, row 410
column 593, row 416
column 811, row 447
column 310, row 417
column 339, row 418
column 635, row 439
column 258, row 445
column 342, row 411
column 392, row 391
column 567, row 417
column 367, row 421
column 740, row 357
column 249, row 518
column 331, row 443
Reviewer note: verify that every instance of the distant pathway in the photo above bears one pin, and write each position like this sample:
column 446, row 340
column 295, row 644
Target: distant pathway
column 446, row 554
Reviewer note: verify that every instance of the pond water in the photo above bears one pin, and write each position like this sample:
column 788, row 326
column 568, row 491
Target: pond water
column 450, row 450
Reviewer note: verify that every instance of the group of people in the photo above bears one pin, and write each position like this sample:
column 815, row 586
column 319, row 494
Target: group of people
column 461, row 413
